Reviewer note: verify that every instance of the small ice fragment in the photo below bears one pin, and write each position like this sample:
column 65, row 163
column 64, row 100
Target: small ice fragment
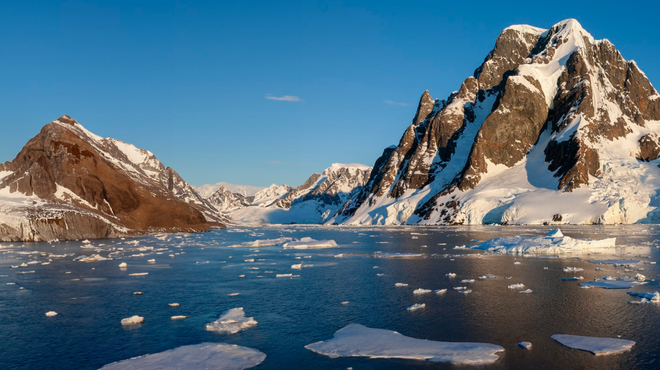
column 507, row 278
column 450, row 274
column 400, row 284
column 516, row 286
column 572, row 269
column 173, row 304
column 516, row 262
column 416, row 306
column 440, row 291
column 151, row 261
column 345, row 303
column 466, row 281
column 640, row 277
column 179, row 317
column 283, row 275
column 233, row 294
column 422, row 291
column 139, row 274
column 297, row 266
column 460, row 288
column 51, row 313
column 526, row 291
column 135, row 319
column 123, row 265
column 525, row 345
column 465, row 291
column 137, row 293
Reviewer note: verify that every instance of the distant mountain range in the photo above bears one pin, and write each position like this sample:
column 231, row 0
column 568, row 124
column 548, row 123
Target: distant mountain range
column 553, row 127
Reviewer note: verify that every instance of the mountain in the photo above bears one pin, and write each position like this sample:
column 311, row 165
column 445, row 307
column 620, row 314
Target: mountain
column 553, row 127
column 207, row 190
column 67, row 183
column 313, row 202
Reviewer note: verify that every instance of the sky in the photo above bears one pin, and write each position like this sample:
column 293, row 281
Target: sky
column 263, row 92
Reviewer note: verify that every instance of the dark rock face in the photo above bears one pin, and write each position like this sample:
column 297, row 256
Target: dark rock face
column 97, row 196
column 592, row 97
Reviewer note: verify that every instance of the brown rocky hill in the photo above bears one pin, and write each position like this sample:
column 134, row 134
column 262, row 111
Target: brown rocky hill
column 67, row 183
column 553, row 127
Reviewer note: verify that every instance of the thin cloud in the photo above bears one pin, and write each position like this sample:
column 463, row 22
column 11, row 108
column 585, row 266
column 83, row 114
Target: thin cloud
column 391, row 102
column 290, row 98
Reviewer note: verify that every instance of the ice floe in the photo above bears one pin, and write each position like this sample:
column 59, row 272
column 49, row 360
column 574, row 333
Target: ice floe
column 232, row 321
column 516, row 286
column 572, row 269
column 525, row 345
column 400, row 285
column 92, row 258
column 416, row 306
column 422, row 291
column 198, row 356
column 595, row 345
column 357, row 340
column 179, row 317
column 261, row 243
column 135, row 319
column 553, row 243
column 397, row 255
column 51, row 313
column 611, row 283
column 309, row 243
column 652, row 297
column 613, row 262
column 441, row 291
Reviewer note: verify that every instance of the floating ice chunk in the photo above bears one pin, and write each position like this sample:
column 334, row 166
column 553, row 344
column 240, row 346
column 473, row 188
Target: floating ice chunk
column 595, row 345
column 517, row 262
column 198, row 356
column 440, row 291
column 173, row 304
column 573, row 278
column 611, row 284
column 553, row 243
column 460, row 288
column 613, row 262
column 297, row 266
column 397, row 255
column 232, row 321
column 465, row 291
column 51, row 313
column 422, row 291
column 345, row 303
column 526, row 291
column 516, row 286
column 135, row 319
column 137, row 293
column 572, row 269
column 92, row 258
column 151, row 261
column 309, row 243
column 179, row 317
column 466, row 281
column 416, row 306
column 283, row 275
column 640, row 277
column 233, row 294
column 261, row 243
column 450, row 274
column 356, row 340
column 139, row 274
column 123, row 265
column 400, row 285
column 525, row 345
column 652, row 297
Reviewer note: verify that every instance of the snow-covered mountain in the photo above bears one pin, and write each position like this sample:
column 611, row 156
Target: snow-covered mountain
column 553, row 127
column 67, row 183
column 208, row 190
column 317, row 199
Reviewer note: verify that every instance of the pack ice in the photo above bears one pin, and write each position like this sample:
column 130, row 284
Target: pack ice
column 553, row 243
column 199, row 356
column 355, row 340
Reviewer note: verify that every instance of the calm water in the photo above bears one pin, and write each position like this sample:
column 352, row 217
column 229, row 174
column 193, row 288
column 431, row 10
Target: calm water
column 292, row 312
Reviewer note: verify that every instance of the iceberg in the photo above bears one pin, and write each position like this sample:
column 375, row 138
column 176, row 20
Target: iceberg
column 595, row 345
column 309, row 243
column 198, row 356
column 355, row 340
column 232, row 321
column 553, row 243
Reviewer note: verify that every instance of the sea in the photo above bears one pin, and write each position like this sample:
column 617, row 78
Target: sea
column 333, row 288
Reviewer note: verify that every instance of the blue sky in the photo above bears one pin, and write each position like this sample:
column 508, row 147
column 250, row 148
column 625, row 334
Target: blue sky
column 197, row 82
